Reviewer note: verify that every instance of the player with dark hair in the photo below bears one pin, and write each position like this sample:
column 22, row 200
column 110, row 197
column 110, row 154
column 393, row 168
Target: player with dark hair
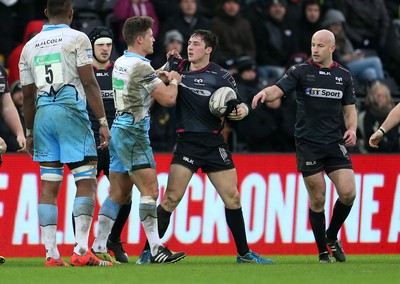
column 135, row 84
column 102, row 38
column 200, row 144
column 325, row 98
column 57, row 79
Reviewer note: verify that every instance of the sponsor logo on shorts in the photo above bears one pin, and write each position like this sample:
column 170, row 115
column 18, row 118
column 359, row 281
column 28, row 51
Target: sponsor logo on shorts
column 188, row 160
column 311, row 163
column 343, row 149
column 324, row 93
column 223, row 154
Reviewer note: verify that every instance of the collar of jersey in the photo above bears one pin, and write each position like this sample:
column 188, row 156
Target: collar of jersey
column 133, row 54
column 53, row 27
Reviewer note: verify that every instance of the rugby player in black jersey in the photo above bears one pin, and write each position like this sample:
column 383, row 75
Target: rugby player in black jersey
column 101, row 38
column 200, row 144
column 325, row 99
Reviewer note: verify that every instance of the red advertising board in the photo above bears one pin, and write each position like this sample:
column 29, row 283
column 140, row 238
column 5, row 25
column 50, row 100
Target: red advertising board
column 274, row 200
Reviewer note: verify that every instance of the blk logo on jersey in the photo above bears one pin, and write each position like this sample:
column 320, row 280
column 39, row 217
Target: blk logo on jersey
column 325, row 73
column 324, row 93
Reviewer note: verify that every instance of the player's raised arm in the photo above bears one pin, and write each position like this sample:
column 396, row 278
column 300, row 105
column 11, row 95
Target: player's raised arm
column 268, row 94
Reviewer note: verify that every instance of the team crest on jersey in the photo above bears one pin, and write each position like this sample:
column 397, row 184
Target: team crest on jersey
column 324, row 93
column 339, row 80
column 198, row 82
column 89, row 53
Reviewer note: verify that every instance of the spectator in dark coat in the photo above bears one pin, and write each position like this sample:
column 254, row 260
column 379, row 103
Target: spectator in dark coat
column 308, row 25
column 276, row 39
column 260, row 130
column 235, row 36
column 367, row 22
column 186, row 21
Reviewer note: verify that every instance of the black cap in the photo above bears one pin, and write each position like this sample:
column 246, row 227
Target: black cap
column 100, row 31
column 245, row 63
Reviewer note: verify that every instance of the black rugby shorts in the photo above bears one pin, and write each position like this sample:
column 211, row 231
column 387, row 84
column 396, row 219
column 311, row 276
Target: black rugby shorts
column 313, row 158
column 103, row 162
column 206, row 151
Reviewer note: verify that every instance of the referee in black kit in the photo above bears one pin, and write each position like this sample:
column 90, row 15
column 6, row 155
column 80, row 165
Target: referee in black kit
column 325, row 97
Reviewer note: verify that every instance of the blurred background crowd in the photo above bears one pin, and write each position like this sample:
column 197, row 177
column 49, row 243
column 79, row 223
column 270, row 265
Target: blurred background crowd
column 258, row 40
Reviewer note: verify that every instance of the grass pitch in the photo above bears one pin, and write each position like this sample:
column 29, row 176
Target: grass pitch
column 359, row 269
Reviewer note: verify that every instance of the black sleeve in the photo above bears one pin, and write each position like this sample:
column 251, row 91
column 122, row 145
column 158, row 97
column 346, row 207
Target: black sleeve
column 3, row 81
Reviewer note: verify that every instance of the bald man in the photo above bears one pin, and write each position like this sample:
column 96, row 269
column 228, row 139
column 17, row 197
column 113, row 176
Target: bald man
column 325, row 97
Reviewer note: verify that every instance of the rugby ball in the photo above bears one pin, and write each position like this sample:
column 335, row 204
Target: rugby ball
column 219, row 99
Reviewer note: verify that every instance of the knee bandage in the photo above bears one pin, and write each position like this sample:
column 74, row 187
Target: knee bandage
column 84, row 172
column 51, row 174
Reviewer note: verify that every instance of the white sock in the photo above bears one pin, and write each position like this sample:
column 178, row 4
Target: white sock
column 49, row 237
column 151, row 228
column 82, row 229
column 104, row 229
column 148, row 217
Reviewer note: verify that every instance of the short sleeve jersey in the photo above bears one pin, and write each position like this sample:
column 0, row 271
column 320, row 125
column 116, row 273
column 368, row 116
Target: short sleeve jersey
column 51, row 59
column 3, row 81
column 133, row 82
column 321, row 94
column 104, row 78
column 194, row 92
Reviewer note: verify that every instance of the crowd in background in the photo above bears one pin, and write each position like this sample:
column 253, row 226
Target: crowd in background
column 258, row 40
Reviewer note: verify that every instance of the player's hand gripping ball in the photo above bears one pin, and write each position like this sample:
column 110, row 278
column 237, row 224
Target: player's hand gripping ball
column 218, row 103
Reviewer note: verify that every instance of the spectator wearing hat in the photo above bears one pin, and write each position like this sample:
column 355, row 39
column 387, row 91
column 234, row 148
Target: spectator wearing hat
column 364, row 69
column 235, row 36
column 173, row 39
column 259, row 131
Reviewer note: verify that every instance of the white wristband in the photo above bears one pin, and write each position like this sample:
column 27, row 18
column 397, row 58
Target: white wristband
column 103, row 121
column 29, row 132
column 174, row 82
